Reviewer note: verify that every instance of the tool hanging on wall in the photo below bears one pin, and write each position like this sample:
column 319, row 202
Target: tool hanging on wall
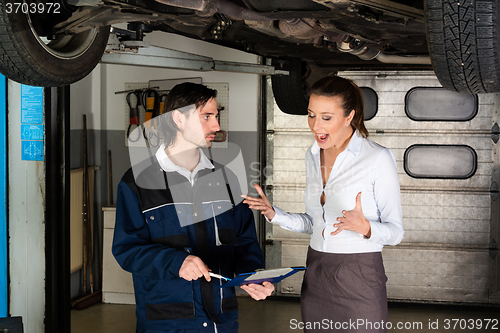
column 151, row 103
column 133, row 99
column 149, row 99
column 162, row 99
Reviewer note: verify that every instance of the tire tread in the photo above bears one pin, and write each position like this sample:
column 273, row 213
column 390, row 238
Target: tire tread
column 463, row 46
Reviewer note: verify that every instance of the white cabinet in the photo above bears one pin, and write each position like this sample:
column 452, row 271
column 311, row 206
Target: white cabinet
column 117, row 286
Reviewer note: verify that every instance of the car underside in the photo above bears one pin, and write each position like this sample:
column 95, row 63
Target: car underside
column 329, row 33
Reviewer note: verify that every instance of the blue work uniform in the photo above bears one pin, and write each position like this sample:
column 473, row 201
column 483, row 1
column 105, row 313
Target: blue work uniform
column 161, row 218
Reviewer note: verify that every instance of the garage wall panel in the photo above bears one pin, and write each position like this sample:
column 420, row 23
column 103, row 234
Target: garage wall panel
column 439, row 275
column 293, row 255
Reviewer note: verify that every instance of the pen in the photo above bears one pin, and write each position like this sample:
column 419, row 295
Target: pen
column 219, row 276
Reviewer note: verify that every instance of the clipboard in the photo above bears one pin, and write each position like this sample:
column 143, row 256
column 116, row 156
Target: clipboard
column 271, row 275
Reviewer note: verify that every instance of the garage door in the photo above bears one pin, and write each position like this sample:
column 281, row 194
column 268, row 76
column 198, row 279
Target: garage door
column 447, row 161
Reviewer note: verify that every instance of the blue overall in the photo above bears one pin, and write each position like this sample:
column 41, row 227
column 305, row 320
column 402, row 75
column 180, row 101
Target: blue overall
column 158, row 225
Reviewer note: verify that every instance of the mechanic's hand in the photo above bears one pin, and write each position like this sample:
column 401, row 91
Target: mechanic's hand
column 261, row 203
column 354, row 220
column 193, row 268
column 259, row 291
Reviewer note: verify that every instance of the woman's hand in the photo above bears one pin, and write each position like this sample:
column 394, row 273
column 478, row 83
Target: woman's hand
column 261, row 204
column 259, row 291
column 354, row 220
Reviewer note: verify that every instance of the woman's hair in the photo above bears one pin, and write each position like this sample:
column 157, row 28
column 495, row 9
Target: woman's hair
column 350, row 95
column 182, row 95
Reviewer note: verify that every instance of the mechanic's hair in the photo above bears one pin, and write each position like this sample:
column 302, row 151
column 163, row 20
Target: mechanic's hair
column 349, row 93
column 182, row 95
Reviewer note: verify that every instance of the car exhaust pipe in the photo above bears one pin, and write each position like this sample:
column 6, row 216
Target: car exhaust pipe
column 394, row 59
column 369, row 53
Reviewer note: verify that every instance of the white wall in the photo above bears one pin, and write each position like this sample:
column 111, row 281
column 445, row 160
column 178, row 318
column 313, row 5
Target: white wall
column 85, row 98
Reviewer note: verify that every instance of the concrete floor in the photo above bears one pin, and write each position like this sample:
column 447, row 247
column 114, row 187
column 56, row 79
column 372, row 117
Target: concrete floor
column 279, row 315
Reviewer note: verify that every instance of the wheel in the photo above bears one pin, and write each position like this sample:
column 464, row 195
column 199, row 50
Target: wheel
column 464, row 45
column 29, row 58
column 290, row 91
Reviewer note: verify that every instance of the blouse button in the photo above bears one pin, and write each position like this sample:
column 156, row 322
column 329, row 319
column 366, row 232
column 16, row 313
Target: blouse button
column 152, row 218
column 217, row 183
column 219, row 207
column 195, row 214
column 179, row 211
column 205, row 324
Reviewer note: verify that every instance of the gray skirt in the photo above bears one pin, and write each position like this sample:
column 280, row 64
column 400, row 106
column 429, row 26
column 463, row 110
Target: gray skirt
column 344, row 293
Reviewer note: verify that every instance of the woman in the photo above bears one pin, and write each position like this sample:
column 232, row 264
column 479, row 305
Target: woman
column 353, row 208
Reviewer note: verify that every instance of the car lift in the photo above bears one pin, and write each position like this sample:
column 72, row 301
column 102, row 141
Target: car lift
column 141, row 53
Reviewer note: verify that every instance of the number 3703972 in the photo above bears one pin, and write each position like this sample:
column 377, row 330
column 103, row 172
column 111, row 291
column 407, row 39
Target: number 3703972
column 32, row 8
column 471, row 324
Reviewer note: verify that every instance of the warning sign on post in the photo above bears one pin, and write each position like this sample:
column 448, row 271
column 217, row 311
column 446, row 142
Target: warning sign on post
column 31, row 123
column 32, row 150
column 32, row 132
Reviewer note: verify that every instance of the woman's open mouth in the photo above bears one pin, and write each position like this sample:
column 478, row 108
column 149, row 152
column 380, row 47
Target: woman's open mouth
column 321, row 138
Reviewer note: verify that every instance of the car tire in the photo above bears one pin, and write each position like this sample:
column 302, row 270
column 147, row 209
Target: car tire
column 289, row 90
column 28, row 59
column 464, row 45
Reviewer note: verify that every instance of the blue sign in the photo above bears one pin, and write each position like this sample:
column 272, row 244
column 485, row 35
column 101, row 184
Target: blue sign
column 31, row 105
column 32, row 150
column 31, row 132
column 31, row 123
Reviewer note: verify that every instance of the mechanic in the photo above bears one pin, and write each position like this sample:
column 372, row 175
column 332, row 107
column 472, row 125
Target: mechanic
column 181, row 218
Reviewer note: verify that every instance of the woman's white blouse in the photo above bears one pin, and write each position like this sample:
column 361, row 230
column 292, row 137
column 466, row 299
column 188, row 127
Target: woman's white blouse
column 364, row 166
